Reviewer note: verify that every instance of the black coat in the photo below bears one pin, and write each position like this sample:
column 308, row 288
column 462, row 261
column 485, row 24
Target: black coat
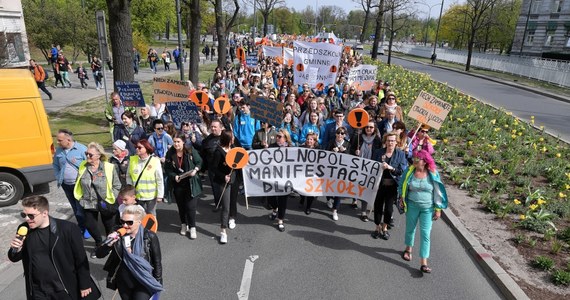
column 67, row 256
column 151, row 254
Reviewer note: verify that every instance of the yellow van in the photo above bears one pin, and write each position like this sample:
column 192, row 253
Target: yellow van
column 26, row 145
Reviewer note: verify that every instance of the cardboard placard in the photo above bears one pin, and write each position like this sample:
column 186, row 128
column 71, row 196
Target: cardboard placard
column 251, row 61
column 183, row 111
column 363, row 77
column 169, row 90
column 430, row 110
column 130, row 93
column 267, row 111
column 237, row 158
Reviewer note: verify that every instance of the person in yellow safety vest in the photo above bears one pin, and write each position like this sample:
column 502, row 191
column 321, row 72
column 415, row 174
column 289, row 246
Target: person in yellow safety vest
column 96, row 189
column 145, row 174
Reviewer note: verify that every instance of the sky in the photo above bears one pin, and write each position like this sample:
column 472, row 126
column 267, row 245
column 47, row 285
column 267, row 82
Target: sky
column 349, row 5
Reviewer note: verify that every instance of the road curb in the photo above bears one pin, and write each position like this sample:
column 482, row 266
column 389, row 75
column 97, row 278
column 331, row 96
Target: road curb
column 520, row 86
column 505, row 283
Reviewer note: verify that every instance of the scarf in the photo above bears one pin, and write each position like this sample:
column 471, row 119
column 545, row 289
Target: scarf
column 366, row 147
column 139, row 267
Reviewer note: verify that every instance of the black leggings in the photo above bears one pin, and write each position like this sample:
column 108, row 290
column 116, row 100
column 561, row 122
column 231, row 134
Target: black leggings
column 186, row 205
column 308, row 201
column 279, row 203
column 138, row 292
column 228, row 203
column 384, row 203
column 92, row 224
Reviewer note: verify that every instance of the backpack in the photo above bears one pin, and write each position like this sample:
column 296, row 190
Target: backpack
column 46, row 74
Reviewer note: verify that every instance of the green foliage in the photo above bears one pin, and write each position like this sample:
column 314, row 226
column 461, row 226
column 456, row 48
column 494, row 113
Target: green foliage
column 150, row 17
column 564, row 235
column 561, row 277
column 543, row 262
column 556, row 246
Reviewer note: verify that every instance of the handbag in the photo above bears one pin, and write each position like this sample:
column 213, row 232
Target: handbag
column 105, row 208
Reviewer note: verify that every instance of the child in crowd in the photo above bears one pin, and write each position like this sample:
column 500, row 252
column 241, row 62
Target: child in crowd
column 82, row 75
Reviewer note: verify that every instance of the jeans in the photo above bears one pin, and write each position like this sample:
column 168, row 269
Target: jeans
column 153, row 66
column 92, row 224
column 384, row 203
column 77, row 209
column 186, row 205
column 65, row 77
column 424, row 215
column 148, row 205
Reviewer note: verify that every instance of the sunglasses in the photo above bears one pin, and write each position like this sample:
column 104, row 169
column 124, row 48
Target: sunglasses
column 129, row 222
column 341, row 133
column 29, row 216
column 90, row 155
column 279, row 136
column 159, row 128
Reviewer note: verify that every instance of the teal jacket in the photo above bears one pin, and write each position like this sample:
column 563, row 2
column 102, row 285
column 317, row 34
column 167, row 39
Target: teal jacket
column 439, row 193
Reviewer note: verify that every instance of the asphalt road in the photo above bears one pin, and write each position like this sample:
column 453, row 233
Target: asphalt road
column 553, row 114
column 315, row 258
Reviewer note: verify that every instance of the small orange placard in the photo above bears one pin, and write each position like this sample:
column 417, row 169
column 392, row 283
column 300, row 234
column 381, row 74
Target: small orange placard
column 237, row 158
column 222, row 105
column 200, row 98
column 358, row 118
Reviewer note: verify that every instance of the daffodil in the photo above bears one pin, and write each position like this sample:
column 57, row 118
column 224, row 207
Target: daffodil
column 493, row 121
column 497, row 129
column 517, row 201
column 558, row 155
column 540, row 201
column 470, row 143
column 533, row 207
column 543, row 149
column 513, row 136
column 567, row 186
column 541, row 139
column 522, row 217
column 506, row 125
column 445, row 141
column 561, row 195
column 496, row 171
column 513, row 131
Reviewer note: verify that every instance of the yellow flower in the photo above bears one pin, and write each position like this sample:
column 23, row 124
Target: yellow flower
column 513, row 131
column 541, row 139
column 506, row 125
column 540, row 201
column 533, row 207
column 509, row 113
column 567, row 175
column 493, row 121
column 543, row 149
column 517, row 201
column 519, row 133
column 497, row 129
column 558, row 155
column 541, row 127
column 561, row 195
column 445, row 141
column 567, row 186
column 513, row 136
column 470, row 143
column 532, row 121
column 496, row 171
column 522, row 217
column 532, row 117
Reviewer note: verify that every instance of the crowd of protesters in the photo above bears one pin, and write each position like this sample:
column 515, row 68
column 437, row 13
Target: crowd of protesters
column 155, row 160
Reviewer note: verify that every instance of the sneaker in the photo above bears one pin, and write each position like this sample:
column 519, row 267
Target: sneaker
column 335, row 216
column 391, row 223
column 385, row 235
column 354, row 205
column 330, row 203
column 183, row 229
column 50, row 97
column 93, row 254
column 375, row 234
column 364, row 218
column 281, row 227
column 232, row 224
column 86, row 234
column 223, row 238
column 98, row 88
column 273, row 215
column 192, row 233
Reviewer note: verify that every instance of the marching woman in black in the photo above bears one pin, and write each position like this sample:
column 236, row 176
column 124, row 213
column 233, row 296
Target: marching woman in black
column 279, row 203
column 224, row 177
column 312, row 142
column 339, row 145
column 181, row 166
column 135, row 264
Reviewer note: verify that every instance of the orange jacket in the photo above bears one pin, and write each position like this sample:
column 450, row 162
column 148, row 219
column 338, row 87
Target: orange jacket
column 39, row 73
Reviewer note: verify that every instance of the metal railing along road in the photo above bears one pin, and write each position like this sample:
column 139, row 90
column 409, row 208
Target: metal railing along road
column 548, row 70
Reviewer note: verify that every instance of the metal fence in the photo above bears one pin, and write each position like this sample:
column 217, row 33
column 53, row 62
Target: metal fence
column 552, row 71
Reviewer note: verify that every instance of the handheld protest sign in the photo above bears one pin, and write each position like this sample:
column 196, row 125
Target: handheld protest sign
column 240, row 54
column 237, row 158
column 222, row 105
column 429, row 110
column 200, row 98
column 358, row 118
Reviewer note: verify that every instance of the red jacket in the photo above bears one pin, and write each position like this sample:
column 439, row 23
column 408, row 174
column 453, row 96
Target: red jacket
column 39, row 73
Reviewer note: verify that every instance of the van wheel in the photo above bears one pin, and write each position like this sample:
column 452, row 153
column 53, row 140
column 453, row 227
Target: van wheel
column 11, row 189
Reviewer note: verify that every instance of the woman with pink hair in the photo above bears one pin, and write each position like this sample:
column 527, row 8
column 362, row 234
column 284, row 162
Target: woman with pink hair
column 422, row 197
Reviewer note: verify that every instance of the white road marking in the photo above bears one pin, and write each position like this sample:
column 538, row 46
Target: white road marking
column 243, row 293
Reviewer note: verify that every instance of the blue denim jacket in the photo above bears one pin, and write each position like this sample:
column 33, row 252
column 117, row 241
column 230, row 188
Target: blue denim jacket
column 75, row 156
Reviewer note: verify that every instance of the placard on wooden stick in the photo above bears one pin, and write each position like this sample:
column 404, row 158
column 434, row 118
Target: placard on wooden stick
column 430, row 110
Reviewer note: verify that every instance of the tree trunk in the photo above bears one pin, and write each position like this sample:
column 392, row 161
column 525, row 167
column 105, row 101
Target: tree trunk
column 378, row 30
column 470, row 50
column 265, row 18
column 121, row 35
column 196, row 24
column 364, row 26
column 221, row 34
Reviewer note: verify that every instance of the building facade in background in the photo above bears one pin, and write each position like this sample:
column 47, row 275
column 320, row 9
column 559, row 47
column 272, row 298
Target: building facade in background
column 14, row 50
column 547, row 34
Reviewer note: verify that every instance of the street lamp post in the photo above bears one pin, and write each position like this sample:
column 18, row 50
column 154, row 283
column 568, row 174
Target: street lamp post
column 437, row 30
column 525, row 27
column 429, row 15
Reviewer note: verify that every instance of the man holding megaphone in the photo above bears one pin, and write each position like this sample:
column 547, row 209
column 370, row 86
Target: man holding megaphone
column 54, row 260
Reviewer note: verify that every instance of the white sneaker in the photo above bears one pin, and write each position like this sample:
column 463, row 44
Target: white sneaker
column 192, row 233
column 335, row 216
column 330, row 203
column 232, row 224
column 183, row 229
column 223, row 238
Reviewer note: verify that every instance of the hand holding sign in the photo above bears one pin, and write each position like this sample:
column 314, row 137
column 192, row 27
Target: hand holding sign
column 236, row 158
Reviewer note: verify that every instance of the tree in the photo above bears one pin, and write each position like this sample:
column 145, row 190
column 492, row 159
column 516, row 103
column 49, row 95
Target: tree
column 149, row 17
column 121, row 37
column 265, row 7
column 195, row 27
column 398, row 15
column 378, row 29
column 478, row 16
column 223, row 25
column 367, row 5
